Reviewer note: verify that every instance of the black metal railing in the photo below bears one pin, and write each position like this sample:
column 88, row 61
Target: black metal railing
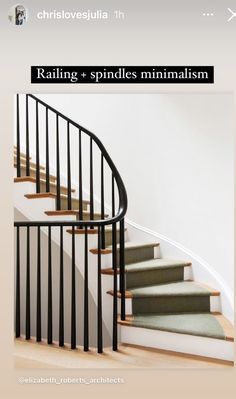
column 37, row 123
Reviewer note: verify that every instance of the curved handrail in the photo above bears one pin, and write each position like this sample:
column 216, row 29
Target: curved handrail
column 123, row 201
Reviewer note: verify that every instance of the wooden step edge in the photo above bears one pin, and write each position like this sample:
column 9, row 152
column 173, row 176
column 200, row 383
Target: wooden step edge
column 227, row 327
column 23, row 179
column 70, row 213
column 105, row 251
column 212, row 291
column 33, row 170
column 108, row 250
column 51, row 195
column 129, row 294
column 33, row 180
column 22, row 155
column 93, row 231
column 23, row 164
column 109, row 271
column 82, row 231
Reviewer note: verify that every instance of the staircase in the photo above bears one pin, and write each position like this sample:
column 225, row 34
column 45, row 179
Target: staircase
column 155, row 302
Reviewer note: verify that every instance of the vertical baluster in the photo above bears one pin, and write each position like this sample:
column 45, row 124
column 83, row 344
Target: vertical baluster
column 114, row 266
column 122, row 267
column 27, row 137
column 99, row 298
column 27, row 316
column 68, row 167
column 49, row 327
column 37, row 150
column 17, row 282
column 38, row 318
column 18, row 161
column 80, row 178
column 103, row 244
column 61, row 298
column 86, row 308
column 73, row 294
column 47, row 155
column 58, row 164
column 91, row 182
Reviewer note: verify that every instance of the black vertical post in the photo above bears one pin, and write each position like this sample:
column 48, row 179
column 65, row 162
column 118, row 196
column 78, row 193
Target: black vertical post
column 18, row 162
column 27, row 136
column 68, row 167
column 37, row 150
column 103, row 244
column 73, row 294
column 122, row 267
column 49, row 326
column 61, row 298
column 91, row 182
column 58, row 164
column 114, row 266
column 80, row 178
column 47, row 154
column 38, row 317
column 17, row 282
column 86, row 308
column 27, row 316
column 99, row 298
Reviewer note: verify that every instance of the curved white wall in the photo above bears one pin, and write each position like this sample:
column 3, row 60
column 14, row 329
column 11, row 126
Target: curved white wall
column 175, row 153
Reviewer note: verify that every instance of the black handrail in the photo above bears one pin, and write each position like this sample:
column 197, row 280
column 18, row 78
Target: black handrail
column 116, row 217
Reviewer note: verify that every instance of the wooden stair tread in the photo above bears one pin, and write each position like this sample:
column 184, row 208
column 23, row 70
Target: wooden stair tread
column 53, row 195
column 109, row 271
column 128, row 246
column 33, row 180
column 33, row 170
column 90, row 231
column 23, row 163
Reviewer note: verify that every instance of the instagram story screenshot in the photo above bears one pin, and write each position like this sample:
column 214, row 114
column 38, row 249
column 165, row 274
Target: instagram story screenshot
column 117, row 163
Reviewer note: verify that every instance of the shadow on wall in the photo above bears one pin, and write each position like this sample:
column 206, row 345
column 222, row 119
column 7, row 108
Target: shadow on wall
column 44, row 288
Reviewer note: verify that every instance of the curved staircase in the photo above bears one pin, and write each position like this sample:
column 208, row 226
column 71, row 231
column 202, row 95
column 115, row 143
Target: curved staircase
column 164, row 308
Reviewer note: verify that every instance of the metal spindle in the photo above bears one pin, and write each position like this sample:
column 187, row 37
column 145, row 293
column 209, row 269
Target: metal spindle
column 27, row 316
column 37, row 150
column 73, row 294
column 114, row 266
column 80, row 178
column 103, row 244
column 38, row 317
column 47, row 155
column 18, row 160
column 86, row 308
column 27, row 136
column 49, row 326
column 61, row 298
column 91, row 182
column 17, row 282
column 113, row 194
column 68, row 167
column 58, row 164
column 99, row 298
column 122, row 268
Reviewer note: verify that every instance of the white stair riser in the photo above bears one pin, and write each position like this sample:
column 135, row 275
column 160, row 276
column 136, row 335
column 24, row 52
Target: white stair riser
column 183, row 343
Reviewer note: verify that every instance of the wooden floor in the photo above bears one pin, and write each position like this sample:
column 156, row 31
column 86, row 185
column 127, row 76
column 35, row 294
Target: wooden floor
column 31, row 355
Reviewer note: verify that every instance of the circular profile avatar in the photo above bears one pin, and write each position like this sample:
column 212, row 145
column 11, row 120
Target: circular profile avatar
column 18, row 15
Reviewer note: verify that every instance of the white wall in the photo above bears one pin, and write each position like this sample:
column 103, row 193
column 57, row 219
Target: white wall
column 175, row 154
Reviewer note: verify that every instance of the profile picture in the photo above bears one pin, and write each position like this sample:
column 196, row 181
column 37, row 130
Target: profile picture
column 18, row 15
